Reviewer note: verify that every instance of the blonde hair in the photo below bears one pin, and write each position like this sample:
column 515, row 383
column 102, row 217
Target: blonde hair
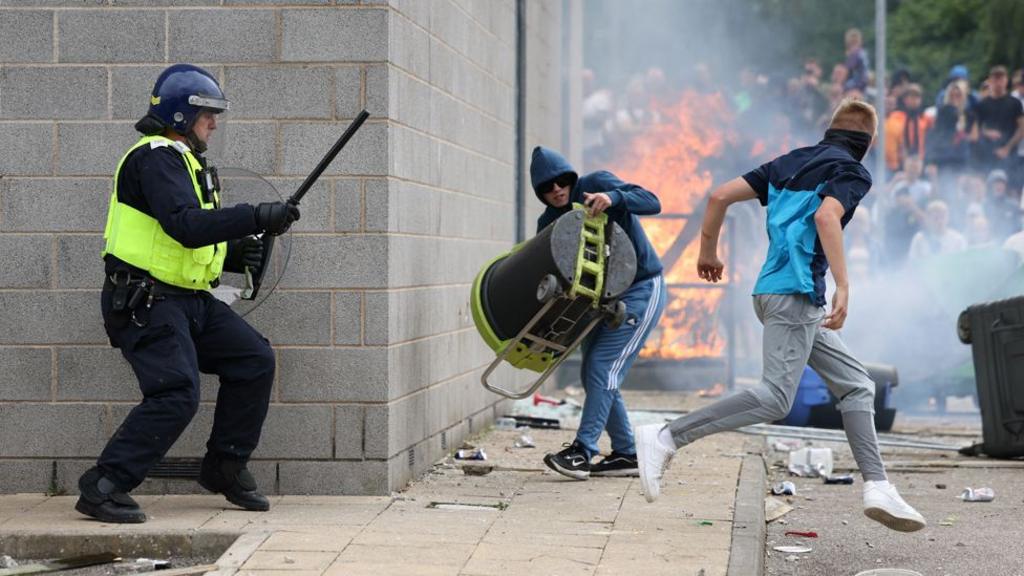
column 852, row 114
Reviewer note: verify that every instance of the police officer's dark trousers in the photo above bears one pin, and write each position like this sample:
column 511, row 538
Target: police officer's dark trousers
column 182, row 336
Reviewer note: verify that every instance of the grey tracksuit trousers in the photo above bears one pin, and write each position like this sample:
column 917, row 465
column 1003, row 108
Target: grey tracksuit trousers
column 794, row 338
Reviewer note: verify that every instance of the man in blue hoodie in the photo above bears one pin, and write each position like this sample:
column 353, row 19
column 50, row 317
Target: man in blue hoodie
column 810, row 193
column 607, row 353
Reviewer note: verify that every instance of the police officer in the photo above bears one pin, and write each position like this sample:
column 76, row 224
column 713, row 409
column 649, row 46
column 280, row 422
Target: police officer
column 167, row 241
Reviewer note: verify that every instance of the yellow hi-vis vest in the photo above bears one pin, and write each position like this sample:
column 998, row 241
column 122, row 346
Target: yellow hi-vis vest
column 138, row 239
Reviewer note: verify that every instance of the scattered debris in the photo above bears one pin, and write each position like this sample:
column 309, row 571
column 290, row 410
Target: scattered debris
column 470, row 454
column 978, row 495
column 846, row 522
column 524, row 441
column 839, row 479
column 792, row 549
column 786, row 444
column 948, row 520
column 809, row 534
column 705, row 523
column 792, row 558
column 775, row 509
column 477, row 469
column 187, row 571
column 810, row 462
column 8, row 562
column 538, row 399
column 505, row 423
column 784, row 489
column 940, row 486
column 537, row 422
column 151, row 564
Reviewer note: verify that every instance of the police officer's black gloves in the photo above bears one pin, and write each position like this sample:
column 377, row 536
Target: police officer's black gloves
column 243, row 253
column 276, row 217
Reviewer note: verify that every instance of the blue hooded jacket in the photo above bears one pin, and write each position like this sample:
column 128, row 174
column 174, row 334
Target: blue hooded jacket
column 628, row 202
column 792, row 187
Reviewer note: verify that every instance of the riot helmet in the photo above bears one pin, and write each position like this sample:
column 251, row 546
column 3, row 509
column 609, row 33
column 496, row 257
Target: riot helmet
column 181, row 92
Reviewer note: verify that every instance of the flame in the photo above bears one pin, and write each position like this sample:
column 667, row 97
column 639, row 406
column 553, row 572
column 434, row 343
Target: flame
column 668, row 158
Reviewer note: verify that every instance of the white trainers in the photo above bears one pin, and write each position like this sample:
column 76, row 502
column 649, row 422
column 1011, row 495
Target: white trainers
column 652, row 459
column 882, row 503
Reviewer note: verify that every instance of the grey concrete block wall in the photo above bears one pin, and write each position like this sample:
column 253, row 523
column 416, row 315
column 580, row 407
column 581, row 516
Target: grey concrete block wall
column 378, row 360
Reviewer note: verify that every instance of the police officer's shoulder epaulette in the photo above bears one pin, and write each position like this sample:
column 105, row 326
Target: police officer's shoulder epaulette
column 177, row 145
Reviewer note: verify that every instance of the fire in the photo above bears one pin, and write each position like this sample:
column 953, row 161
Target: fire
column 668, row 158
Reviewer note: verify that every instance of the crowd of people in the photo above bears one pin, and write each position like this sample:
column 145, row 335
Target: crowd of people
column 954, row 159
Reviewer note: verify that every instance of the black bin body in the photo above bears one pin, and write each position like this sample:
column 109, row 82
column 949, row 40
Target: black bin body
column 995, row 331
column 509, row 286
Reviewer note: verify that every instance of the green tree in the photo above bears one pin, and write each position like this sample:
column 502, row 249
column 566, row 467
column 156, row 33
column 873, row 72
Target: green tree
column 927, row 37
column 1005, row 23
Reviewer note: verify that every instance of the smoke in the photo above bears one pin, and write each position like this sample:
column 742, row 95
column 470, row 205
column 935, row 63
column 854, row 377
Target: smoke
column 646, row 55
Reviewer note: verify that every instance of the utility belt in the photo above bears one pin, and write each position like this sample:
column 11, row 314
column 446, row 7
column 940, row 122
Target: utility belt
column 132, row 292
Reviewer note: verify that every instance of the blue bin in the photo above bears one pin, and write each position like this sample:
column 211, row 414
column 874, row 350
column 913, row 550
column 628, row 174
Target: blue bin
column 811, row 392
column 814, row 405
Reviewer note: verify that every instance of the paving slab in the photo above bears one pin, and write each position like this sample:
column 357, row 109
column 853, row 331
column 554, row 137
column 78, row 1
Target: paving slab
column 311, row 539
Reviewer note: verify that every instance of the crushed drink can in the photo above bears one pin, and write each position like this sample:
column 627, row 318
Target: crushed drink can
column 473, row 454
column 786, row 488
column 839, row 479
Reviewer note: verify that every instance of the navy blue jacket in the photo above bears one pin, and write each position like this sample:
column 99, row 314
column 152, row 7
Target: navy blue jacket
column 628, row 202
column 156, row 182
column 793, row 186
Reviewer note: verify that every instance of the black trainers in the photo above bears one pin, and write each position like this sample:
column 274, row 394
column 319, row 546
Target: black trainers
column 572, row 462
column 103, row 501
column 232, row 479
column 616, row 464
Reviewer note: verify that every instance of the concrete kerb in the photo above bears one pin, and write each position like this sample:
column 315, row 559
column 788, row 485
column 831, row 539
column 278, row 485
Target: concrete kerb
column 746, row 556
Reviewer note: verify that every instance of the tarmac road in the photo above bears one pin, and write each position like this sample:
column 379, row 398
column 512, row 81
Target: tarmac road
column 979, row 538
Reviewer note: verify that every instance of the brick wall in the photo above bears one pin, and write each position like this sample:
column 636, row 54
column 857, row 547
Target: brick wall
column 377, row 354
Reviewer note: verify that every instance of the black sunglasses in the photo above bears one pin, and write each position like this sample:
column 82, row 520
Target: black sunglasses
column 562, row 181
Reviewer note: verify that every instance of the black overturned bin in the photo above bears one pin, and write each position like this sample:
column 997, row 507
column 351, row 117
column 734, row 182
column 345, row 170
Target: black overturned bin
column 534, row 304
column 995, row 331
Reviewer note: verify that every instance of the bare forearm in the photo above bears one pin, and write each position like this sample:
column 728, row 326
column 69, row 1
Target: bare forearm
column 735, row 190
column 711, row 227
column 830, row 232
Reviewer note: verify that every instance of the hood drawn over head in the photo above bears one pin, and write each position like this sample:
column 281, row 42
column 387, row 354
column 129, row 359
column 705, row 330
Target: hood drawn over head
column 545, row 166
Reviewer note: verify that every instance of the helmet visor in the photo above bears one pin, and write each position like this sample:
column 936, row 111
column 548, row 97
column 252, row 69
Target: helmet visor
column 218, row 104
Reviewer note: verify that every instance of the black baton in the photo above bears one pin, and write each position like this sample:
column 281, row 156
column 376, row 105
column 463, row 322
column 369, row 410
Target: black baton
column 254, row 278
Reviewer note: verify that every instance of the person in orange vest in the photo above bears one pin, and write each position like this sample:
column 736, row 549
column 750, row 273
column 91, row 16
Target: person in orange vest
column 906, row 129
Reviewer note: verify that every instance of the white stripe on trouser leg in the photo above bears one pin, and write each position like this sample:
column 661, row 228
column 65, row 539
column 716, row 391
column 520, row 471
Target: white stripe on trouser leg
column 634, row 342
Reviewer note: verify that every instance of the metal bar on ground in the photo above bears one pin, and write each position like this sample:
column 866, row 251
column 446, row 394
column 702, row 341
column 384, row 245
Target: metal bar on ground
column 826, row 435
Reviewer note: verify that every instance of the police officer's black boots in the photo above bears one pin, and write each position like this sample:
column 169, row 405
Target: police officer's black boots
column 105, row 502
column 232, row 479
